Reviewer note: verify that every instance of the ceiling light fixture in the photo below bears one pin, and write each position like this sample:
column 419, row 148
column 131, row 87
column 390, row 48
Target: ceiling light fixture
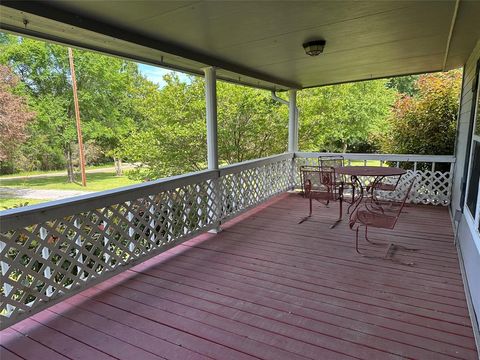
column 315, row 47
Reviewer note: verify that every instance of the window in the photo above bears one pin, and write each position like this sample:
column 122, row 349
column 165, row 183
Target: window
column 474, row 177
column 473, row 187
column 477, row 124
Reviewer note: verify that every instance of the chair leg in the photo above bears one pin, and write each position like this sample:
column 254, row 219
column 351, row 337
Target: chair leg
column 388, row 255
column 358, row 250
column 355, row 204
column 352, row 200
column 372, row 242
column 356, row 242
column 339, row 215
column 335, row 223
column 349, row 207
column 309, row 213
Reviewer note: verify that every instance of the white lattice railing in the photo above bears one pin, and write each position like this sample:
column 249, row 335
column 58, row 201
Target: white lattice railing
column 433, row 186
column 53, row 250
column 252, row 182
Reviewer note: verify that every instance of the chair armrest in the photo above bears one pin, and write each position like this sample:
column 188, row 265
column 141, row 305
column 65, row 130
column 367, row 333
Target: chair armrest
column 382, row 205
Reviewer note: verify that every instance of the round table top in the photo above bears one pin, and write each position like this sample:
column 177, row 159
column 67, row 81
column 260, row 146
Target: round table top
column 369, row 170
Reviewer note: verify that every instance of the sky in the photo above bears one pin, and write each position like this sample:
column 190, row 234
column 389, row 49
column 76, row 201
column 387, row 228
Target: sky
column 155, row 74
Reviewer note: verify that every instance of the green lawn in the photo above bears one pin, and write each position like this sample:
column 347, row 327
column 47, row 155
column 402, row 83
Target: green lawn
column 46, row 172
column 7, row 203
column 95, row 182
column 369, row 163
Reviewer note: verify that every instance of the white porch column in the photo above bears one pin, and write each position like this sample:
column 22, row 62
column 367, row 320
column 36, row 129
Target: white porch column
column 211, row 99
column 292, row 132
column 212, row 141
column 292, row 121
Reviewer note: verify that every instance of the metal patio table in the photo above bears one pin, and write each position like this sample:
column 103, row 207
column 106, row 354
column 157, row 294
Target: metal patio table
column 376, row 172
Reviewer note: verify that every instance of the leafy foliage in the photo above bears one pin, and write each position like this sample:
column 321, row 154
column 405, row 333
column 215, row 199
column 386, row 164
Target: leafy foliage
column 426, row 123
column 104, row 85
column 14, row 117
column 343, row 117
column 172, row 135
column 251, row 124
column 404, row 84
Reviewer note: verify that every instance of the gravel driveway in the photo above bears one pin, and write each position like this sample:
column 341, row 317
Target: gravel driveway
column 39, row 193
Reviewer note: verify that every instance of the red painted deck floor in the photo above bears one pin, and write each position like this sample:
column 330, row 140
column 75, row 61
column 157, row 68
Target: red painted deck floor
column 269, row 288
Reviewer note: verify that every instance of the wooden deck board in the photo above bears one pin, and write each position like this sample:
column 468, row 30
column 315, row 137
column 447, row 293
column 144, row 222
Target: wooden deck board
column 270, row 288
column 58, row 341
column 26, row 347
column 8, row 355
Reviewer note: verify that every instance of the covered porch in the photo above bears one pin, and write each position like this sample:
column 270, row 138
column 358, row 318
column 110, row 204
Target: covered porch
column 143, row 271
column 267, row 287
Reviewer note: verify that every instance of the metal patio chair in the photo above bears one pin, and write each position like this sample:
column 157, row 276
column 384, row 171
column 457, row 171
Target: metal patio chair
column 333, row 162
column 388, row 184
column 383, row 215
column 319, row 183
column 309, row 178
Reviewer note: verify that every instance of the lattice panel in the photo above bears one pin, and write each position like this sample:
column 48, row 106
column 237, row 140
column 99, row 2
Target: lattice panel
column 402, row 186
column 44, row 261
column 432, row 187
column 244, row 189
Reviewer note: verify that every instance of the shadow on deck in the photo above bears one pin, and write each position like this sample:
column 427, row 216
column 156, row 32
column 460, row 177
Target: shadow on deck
column 270, row 288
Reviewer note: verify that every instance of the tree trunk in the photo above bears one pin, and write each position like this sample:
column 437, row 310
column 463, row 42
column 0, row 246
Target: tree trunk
column 345, row 145
column 68, row 157
column 118, row 166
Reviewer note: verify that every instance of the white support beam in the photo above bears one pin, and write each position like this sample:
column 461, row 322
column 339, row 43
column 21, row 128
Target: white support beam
column 211, row 100
column 212, row 141
column 292, row 121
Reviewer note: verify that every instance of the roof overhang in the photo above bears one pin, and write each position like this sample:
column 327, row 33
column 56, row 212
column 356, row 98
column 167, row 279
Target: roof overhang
column 260, row 43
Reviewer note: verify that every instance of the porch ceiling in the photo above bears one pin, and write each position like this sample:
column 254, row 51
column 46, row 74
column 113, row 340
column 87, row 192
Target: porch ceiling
column 260, row 43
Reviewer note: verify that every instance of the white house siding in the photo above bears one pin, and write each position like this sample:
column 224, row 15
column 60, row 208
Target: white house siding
column 469, row 249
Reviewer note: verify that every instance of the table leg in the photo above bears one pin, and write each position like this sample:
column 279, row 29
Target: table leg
column 340, row 199
column 357, row 202
column 377, row 180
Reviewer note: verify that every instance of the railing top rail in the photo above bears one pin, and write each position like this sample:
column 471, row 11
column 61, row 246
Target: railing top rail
column 234, row 168
column 41, row 212
column 384, row 157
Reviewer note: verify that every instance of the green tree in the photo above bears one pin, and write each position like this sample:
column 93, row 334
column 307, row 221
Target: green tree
column 104, row 85
column 45, row 80
column 343, row 117
column 426, row 123
column 404, row 84
column 172, row 131
column 14, row 117
column 251, row 124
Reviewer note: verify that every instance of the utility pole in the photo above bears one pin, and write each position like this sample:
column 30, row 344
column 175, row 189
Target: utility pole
column 77, row 118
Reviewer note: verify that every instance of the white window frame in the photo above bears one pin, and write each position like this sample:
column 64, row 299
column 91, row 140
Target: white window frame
column 473, row 220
